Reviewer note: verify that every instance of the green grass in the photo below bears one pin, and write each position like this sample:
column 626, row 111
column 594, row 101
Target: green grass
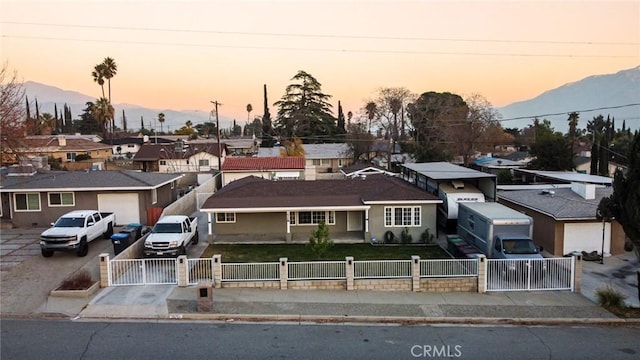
column 301, row 252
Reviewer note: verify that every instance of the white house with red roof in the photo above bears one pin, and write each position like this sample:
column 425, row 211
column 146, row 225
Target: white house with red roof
column 271, row 168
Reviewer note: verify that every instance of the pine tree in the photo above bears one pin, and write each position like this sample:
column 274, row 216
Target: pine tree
column 319, row 241
column 267, row 129
column 341, row 122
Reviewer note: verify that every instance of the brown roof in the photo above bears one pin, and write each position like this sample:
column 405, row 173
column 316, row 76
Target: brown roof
column 152, row 152
column 263, row 163
column 51, row 143
column 253, row 192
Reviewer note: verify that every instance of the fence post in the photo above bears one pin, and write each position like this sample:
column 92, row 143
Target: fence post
column 482, row 273
column 415, row 273
column 577, row 273
column 217, row 271
column 181, row 263
column 349, row 273
column 104, row 270
column 284, row 273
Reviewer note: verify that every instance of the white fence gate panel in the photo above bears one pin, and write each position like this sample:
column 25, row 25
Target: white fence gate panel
column 143, row 272
column 530, row 274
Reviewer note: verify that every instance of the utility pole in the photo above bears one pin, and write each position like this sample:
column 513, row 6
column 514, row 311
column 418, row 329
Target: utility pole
column 218, row 135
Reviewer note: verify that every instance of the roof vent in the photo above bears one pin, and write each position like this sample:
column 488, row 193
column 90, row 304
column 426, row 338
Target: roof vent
column 363, row 177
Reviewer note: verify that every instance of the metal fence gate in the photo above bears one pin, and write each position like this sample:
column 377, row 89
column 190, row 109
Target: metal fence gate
column 530, row 274
column 143, row 272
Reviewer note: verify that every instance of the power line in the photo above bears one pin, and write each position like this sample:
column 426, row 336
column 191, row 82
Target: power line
column 329, row 36
column 570, row 111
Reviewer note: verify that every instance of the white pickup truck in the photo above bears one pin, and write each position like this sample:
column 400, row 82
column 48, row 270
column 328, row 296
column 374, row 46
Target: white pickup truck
column 73, row 232
column 171, row 235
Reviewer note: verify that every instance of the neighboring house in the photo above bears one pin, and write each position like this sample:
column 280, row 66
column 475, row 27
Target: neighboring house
column 354, row 209
column 539, row 176
column 65, row 148
column 180, row 157
column 519, row 156
column 271, row 168
column 32, row 198
column 362, row 169
column 237, row 146
column 127, row 147
column 327, row 158
column 564, row 219
column 582, row 164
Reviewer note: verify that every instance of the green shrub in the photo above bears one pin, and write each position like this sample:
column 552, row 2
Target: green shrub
column 610, row 297
column 319, row 241
column 427, row 237
column 405, row 236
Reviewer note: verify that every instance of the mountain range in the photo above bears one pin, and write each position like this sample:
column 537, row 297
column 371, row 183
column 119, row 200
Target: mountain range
column 607, row 94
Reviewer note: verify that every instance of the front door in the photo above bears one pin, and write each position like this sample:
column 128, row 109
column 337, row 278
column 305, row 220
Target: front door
column 354, row 221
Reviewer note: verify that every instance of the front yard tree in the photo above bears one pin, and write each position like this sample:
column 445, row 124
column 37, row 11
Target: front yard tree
column 12, row 116
column 304, row 111
column 320, row 242
column 624, row 203
column 292, row 148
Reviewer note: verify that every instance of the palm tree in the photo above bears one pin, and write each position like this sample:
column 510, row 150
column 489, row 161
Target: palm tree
column 188, row 124
column 110, row 68
column 161, row 121
column 103, row 113
column 98, row 76
column 371, row 108
column 249, row 110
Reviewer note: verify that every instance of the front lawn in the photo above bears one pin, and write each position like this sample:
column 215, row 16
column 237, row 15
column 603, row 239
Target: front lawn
column 301, row 252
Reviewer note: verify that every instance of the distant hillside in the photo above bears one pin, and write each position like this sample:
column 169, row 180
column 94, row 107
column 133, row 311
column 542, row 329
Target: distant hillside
column 49, row 96
column 593, row 92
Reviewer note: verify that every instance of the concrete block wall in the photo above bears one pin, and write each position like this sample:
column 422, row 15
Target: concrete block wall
column 317, row 285
column 468, row 284
column 383, row 284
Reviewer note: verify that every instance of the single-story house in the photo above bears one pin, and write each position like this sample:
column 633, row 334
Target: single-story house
column 65, row 148
column 271, row 168
column 180, row 157
column 362, row 209
column 127, row 147
column 564, row 219
column 327, row 158
column 36, row 198
column 236, row 146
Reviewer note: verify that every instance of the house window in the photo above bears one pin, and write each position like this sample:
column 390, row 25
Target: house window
column 163, row 162
column 71, row 156
column 402, row 216
column 27, row 202
column 154, row 196
column 326, row 161
column 316, row 162
column 203, row 162
column 226, row 217
column 292, row 218
column 61, row 199
column 313, row 217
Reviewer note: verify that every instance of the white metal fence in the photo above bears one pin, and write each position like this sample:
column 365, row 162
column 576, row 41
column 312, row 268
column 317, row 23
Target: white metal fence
column 381, row 269
column 317, row 270
column 143, row 272
column 250, row 271
column 530, row 274
column 448, row 268
column 199, row 270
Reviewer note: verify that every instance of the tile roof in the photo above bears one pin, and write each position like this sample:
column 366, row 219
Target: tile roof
column 263, row 163
column 253, row 192
column 152, row 152
column 86, row 181
column 564, row 204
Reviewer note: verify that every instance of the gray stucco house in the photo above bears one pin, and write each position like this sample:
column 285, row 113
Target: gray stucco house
column 36, row 198
column 354, row 209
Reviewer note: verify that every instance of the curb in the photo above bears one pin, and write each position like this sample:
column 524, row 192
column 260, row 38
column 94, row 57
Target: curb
column 387, row 320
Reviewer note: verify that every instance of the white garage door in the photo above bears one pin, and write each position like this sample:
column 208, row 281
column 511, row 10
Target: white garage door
column 125, row 206
column 586, row 237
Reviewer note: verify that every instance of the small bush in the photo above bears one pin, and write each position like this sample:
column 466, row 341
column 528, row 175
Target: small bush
column 610, row 297
column 78, row 281
column 319, row 241
column 427, row 237
column 406, row 237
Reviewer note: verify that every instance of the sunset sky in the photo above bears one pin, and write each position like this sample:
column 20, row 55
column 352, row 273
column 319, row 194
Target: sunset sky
column 182, row 54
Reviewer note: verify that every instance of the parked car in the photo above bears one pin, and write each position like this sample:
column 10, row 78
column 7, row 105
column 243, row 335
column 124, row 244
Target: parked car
column 73, row 232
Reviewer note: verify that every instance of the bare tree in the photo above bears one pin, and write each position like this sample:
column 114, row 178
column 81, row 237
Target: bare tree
column 390, row 105
column 468, row 134
column 12, row 116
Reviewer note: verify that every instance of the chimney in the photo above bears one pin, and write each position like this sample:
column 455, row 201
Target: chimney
column 62, row 141
column 587, row 191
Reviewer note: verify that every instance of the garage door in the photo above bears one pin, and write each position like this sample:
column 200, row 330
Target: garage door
column 586, row 237
column 125, row 206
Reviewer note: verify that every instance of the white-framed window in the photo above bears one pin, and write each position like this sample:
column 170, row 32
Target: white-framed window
column 203, row 162
column 326, row 161
column 402, row 216
column 61, row 199
column 154, row 196
column 225, row 217
column 316, row 162
column 163, row 162
column 312, row 217
column 71, row 156
column 26, row 201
